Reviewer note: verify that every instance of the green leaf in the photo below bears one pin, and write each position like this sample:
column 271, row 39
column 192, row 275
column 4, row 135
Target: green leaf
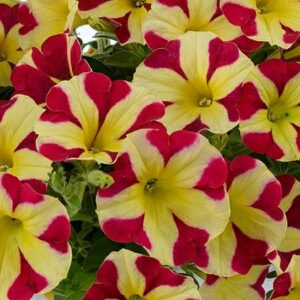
column 235, row 145
column 77, row 283
column 101, row 248
column 128, row 56
column 263, row 53
column 123, row 59
column 98, row 66
column 6, row 92
column 272, row 274
column 76, row 295
column 136, row 248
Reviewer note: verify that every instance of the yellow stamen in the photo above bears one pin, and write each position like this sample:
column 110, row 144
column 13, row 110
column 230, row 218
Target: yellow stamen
column 205, row 102
column 150, row 185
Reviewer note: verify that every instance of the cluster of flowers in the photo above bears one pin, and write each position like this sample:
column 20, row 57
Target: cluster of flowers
column 173, row 192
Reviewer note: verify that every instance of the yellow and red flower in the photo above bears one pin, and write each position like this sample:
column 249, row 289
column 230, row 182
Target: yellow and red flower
column 257, row 224
column 270, row 112
column 169, row 19
column 236, row 287
column 10, row 52
column 168, row 195
column 276, row 22
column 34, row 252
column 287, row 285
column 88, row 116
column 60, row 58
column 130, row 15
column 41, row 19
column 200, row 78
column 127, row 275
column 18, row 155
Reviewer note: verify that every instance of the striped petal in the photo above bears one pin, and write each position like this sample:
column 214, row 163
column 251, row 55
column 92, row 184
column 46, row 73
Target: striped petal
column 58, row 59
column 18, row 154
column 207, row 87
column 276, row 22
column 87, row 117
column 41, row 19
column 237, row 287
column 164, row 198
column 34, row 252
column 269, row 110
column 168, row 20
column 257, row 224
column 127, row 275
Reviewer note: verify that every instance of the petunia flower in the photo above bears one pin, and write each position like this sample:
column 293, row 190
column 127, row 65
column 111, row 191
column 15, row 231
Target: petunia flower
column 270, row 112
column 18, row 155
column 168, row 20
column 35, row 228
column 88, row 116
column 257, row 224
column 127, row 275
column 60, row 58
column 287, row 285
column 276, row 22
column 41, row 19
column 238, row 287
column 130, row 14
column 168, row 195
column 10, row 52
column 199, row 77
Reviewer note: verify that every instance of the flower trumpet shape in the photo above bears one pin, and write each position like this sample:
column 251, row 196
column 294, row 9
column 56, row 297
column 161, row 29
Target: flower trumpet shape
column 18, row 154
column 270, row 111
column 88, row 116
column 168, row 20
column 199, row 77
column 130, row 14
column 59, row 58
column 257, row 224
column 34, row 252
column 168, row 195
column 127, row 275
column 276, row 22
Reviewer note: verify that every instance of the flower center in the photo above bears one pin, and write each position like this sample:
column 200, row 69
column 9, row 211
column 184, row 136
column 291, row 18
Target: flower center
column 2, row 57
column 273, row 117
column 4, row 168
column 11, row 224
column 94, row 150
column 277, row 111
column 261, row 9
column 139, row 3
column 14, row 221
column 150, row 185
column 263, row 6
column 205, row 102
column 136, row 297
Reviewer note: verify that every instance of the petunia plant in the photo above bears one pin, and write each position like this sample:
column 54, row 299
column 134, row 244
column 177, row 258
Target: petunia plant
column 156, row 160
